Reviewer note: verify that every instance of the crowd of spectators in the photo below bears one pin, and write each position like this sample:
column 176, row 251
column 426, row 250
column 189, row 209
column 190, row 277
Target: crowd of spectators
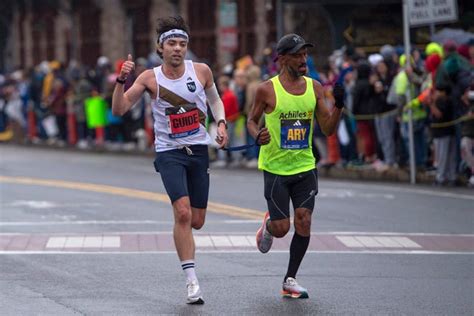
column 71, row 106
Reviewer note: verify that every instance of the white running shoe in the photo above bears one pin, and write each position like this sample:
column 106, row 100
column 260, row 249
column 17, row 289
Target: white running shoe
column 194, row 293
column 292, row 289
column 264, row 238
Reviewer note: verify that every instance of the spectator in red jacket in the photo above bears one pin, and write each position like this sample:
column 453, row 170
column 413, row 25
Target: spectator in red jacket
column 231, row 107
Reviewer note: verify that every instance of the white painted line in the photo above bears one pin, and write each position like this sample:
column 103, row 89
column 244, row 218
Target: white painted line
column 236, row 221
column 92, row 242
column 350, row 242
column 388, row 234
column 368, row 241
column 387, row 242
column 203, row 241
column 111, row 242
column 406, row 242
column 252, row 233
column 74, row 242
column 239, row 241
column 143, row 222
column 221, row 241
column 56, row 242
column 240, row 251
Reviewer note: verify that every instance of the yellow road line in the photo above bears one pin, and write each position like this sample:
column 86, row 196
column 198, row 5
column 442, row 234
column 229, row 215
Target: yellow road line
column 137, row 194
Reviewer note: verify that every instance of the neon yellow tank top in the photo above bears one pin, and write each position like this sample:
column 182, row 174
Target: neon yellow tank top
column 291, row 130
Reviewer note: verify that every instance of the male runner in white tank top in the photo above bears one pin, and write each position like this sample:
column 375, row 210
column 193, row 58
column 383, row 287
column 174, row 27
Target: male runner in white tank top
column 179, row 90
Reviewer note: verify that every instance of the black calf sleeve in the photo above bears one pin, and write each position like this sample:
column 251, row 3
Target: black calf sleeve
column 298, row 247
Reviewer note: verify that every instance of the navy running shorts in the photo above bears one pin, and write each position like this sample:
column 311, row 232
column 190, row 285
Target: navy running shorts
column 185, row 174
column 301, row 188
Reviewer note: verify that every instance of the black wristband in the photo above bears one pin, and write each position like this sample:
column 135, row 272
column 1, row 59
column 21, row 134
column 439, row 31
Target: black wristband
column 120, row 81
column 339, row 105
column 222, row 121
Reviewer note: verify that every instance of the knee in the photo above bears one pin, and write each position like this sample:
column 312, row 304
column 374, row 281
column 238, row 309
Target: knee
column 279, row 229
column 303, row 224
column 183, row 215
column 197, row 223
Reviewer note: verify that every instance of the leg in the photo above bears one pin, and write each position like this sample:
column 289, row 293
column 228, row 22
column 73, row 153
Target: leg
column 303, row 196
column 278, row 228
column 452, row 162
column 277, row 220
column 182, row 233
column 278, row 201
column 467, row 144
column 390, row 140
column 172, row 166
column 420, row 143
column 198, row 217
column 321, row 145
column 300, row 241
column 302, row 192
column 385, row 132
column 441, row 145
column 360, row 136
column 302, row 222
column 198, row 184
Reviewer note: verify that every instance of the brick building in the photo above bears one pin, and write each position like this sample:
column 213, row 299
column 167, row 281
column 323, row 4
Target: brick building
column 221, row 30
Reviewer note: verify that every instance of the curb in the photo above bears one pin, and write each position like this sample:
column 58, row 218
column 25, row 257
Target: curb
column 365, row 173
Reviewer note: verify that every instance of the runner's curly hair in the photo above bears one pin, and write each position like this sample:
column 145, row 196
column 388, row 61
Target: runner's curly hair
column 170, row 23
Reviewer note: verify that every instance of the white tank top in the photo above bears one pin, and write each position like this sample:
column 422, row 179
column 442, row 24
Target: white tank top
column 179, row 110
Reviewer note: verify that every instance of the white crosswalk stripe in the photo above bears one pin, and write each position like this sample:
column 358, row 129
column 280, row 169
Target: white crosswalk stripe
column 56, row 242
column 83, row 242
column 74, row 242
column 369, row 242
column 203, row 241
column 406, row 242
column 111, row 242
column 387, row 242
column 350, row 242
column 377, row 242
column 240, row 241
column 92, row 242
column 221, row 241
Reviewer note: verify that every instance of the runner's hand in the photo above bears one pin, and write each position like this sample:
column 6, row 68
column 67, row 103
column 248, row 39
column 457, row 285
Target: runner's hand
column 264, row 137
column 222, row 139
column 127, row 67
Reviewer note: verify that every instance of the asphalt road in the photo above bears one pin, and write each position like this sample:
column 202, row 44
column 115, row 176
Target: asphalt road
column 90, row 234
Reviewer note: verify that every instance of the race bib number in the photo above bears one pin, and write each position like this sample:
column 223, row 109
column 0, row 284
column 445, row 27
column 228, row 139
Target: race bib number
column 295, row 134
column 183, row 120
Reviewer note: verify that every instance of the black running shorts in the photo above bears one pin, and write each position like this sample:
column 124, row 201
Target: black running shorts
column 185, row 174
column 301, row 188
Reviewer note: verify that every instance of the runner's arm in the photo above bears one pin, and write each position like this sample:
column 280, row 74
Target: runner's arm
column 122, row 102
column 206, row 78
column 204, row 74
column 327, row 120
column 256, row 112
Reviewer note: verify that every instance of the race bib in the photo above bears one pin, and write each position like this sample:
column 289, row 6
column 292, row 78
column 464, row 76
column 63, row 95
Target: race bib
column 295, row 133
column 183, row 120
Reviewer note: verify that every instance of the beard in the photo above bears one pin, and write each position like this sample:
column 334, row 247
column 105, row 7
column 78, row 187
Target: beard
column 295, row 73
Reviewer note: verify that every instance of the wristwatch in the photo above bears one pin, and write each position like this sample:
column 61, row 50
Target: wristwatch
column 118, row 80
column 222, row 121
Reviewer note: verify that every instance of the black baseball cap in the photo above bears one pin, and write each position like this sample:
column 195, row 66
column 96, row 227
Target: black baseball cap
column 290, row 44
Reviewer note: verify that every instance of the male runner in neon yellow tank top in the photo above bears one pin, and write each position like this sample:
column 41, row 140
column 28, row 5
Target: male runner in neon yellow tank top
column 289, row 103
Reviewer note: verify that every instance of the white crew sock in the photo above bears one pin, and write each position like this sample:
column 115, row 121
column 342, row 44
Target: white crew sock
column 188, row 268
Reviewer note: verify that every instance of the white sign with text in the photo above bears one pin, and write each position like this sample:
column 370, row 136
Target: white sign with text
column 423, row 12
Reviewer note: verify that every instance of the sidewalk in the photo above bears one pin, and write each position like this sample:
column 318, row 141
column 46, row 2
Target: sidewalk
column 364, row 172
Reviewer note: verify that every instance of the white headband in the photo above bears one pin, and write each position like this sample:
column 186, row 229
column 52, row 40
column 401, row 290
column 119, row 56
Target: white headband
column 174, row 33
